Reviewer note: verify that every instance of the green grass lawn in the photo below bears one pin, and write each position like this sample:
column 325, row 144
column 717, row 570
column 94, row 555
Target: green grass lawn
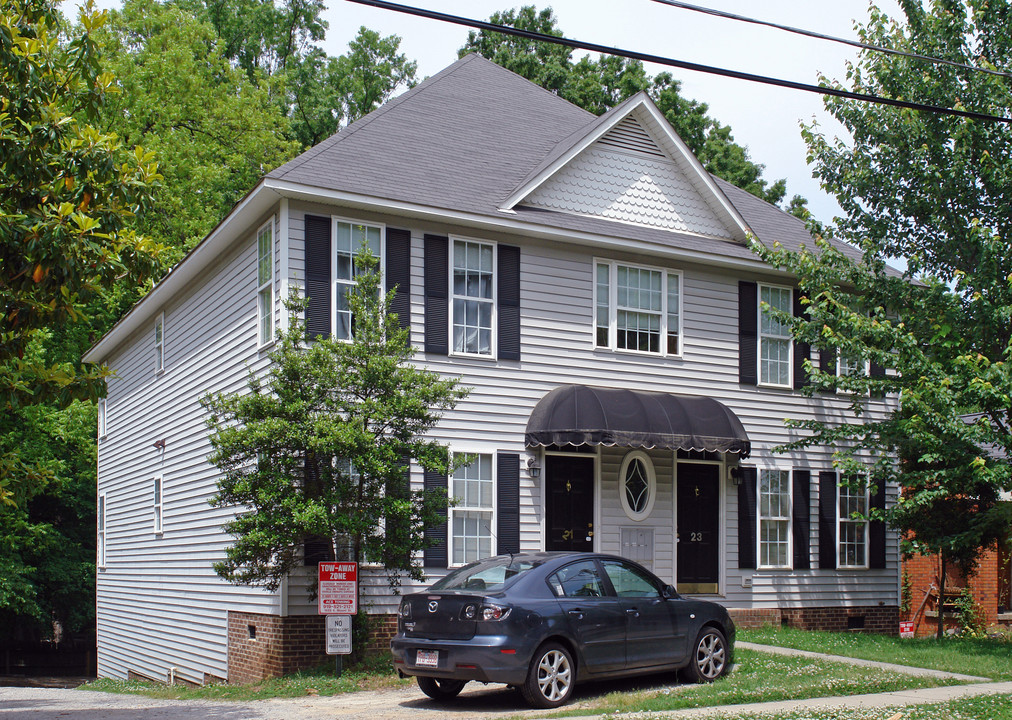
column 375, row 673
column 759, row 677
column 985, row 657
column 993, row 707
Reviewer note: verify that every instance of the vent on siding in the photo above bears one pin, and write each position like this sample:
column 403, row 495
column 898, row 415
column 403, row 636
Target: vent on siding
column 630, row 136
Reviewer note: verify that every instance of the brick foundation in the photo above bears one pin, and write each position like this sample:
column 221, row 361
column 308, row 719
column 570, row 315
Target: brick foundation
column 881, row 619
column 281, row 645
column 383, row 630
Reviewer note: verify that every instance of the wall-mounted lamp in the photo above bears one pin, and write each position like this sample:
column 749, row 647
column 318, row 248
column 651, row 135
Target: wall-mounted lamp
column 735, row 475
column 159, row 445
column 533, row 466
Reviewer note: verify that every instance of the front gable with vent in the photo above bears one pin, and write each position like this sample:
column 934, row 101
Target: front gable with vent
column 631, row 167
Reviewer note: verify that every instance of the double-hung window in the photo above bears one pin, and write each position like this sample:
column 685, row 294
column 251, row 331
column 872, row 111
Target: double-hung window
column 774, row 518
column 637, row 308
column 473, row 301
column 157, row 504
column 160, row 343
column 774, row 336
column 265, row 283
column 103, row 410
column 349, row 239
column 101, row 530
column 852, row 527
column 472, row 516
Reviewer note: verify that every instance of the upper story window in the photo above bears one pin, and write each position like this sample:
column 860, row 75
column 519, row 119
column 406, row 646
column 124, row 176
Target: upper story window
column 265, row 283
column 471, row 518
column 102, row 412
column 473, row 296
column 774, row 518
column 160, row 343
column 349, row 239
column 774, row 336
column 637, row 308
column 100, row 511
column 852, row 527
column 157, row 486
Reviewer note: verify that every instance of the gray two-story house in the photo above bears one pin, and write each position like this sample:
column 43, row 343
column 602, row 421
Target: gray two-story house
column 589, row 280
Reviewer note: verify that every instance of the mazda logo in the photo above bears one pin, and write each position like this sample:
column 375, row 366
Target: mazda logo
column 433, row 606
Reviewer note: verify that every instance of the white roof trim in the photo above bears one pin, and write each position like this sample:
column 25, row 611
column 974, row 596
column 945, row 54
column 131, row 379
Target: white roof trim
column 670, row 143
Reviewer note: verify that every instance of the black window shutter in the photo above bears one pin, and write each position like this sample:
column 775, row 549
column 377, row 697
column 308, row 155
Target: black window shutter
column 398, row 528
column 747, row 518
column 508, row 506
column 876, row 371
column 509, row 302
column 827, row 519
column 748, row 341
column 877, row 531
column 827, row 361
column 802, row 351
column 801, row 504
column 437, row 302
column 318, row 284
column 436, row 554
column 398, row 273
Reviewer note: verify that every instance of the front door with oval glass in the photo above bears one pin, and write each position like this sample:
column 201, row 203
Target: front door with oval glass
column 569, row 502
column 698, row 528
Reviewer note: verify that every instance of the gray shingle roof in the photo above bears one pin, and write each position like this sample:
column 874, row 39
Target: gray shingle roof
column 467, row 137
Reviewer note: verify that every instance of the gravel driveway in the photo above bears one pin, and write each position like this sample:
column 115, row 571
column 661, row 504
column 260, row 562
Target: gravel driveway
column 408, row 703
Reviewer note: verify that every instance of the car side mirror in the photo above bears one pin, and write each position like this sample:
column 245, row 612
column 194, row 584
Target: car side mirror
column 670, row 592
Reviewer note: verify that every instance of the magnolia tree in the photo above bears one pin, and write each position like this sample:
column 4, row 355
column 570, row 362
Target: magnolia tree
column 316, row 451
column 935, row 190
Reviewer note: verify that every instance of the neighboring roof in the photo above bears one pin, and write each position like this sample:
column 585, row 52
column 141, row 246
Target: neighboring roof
column 584, row 415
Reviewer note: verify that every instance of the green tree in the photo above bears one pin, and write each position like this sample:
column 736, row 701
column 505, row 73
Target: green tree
column 937, row 191
column 68, row 194
column 597, row 85
column 316, row 450
column 215, row 132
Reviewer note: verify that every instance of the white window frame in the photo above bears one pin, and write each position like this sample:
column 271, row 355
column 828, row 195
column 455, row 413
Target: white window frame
column 460, row 507
column 787, row 519
column 335, row 282
column 158, row 504
column 160, row 344
column 265, row 288
column 100, row 521
column 493, row 347
column 103, row 412
column 760, row 336
column 651, row 478
column 865, row 368
column 665, row 315
column 840, row 521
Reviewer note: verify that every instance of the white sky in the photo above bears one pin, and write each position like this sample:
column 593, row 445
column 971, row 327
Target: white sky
column 763, row 118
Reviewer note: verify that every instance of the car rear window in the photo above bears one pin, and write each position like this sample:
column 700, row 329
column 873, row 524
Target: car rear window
column 492, row 574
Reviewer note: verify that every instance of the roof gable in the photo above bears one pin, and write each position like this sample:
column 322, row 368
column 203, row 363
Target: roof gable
column 630, row 166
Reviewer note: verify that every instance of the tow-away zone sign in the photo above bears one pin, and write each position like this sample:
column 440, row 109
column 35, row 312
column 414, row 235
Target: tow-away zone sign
column 338, row 588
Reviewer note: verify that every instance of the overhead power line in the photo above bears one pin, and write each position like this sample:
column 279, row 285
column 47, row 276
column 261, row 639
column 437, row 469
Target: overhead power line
column 671, row 62
column 830, row 38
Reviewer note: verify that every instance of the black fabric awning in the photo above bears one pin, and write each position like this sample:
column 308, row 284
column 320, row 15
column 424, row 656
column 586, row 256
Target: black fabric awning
column 583, row 415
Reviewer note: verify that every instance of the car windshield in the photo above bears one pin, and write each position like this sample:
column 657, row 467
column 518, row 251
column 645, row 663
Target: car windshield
column 492, row 574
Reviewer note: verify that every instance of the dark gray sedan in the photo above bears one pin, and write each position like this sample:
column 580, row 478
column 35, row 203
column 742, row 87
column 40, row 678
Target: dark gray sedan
column 543, row 622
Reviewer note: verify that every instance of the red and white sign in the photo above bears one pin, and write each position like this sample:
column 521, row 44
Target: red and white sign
column 338, row 590
column 906, row 629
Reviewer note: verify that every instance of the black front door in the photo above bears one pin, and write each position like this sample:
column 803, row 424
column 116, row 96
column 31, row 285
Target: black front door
column 569, row 502
column 698, row 527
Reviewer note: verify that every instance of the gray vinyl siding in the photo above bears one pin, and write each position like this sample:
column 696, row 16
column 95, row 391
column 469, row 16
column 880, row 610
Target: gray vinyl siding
column 160, row 604
column 557, row 348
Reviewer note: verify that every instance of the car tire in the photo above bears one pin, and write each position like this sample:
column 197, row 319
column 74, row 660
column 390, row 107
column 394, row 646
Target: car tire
column 551, row 677
column 440, row 688
column 709, row 659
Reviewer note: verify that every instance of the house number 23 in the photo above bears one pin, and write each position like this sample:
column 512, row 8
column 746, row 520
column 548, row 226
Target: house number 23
column 696, row 537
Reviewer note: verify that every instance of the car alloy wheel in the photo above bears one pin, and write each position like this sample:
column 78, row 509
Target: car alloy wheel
column 550, row 678
column 709, row 661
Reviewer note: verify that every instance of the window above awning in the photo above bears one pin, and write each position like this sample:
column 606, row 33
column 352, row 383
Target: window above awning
column 584, row 415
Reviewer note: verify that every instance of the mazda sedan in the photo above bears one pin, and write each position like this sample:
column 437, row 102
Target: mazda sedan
column 543, row 622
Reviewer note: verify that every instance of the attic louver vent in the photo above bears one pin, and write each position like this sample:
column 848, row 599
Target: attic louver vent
column 629, row 135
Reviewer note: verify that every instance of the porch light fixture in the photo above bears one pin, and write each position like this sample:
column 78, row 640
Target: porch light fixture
column 533, row 466
column 735, row 475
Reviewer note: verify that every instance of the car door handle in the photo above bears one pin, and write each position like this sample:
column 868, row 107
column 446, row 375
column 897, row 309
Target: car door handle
column 633, row 611
column 578, row 614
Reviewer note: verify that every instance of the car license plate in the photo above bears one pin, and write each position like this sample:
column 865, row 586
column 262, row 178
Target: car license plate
column 427, row 658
